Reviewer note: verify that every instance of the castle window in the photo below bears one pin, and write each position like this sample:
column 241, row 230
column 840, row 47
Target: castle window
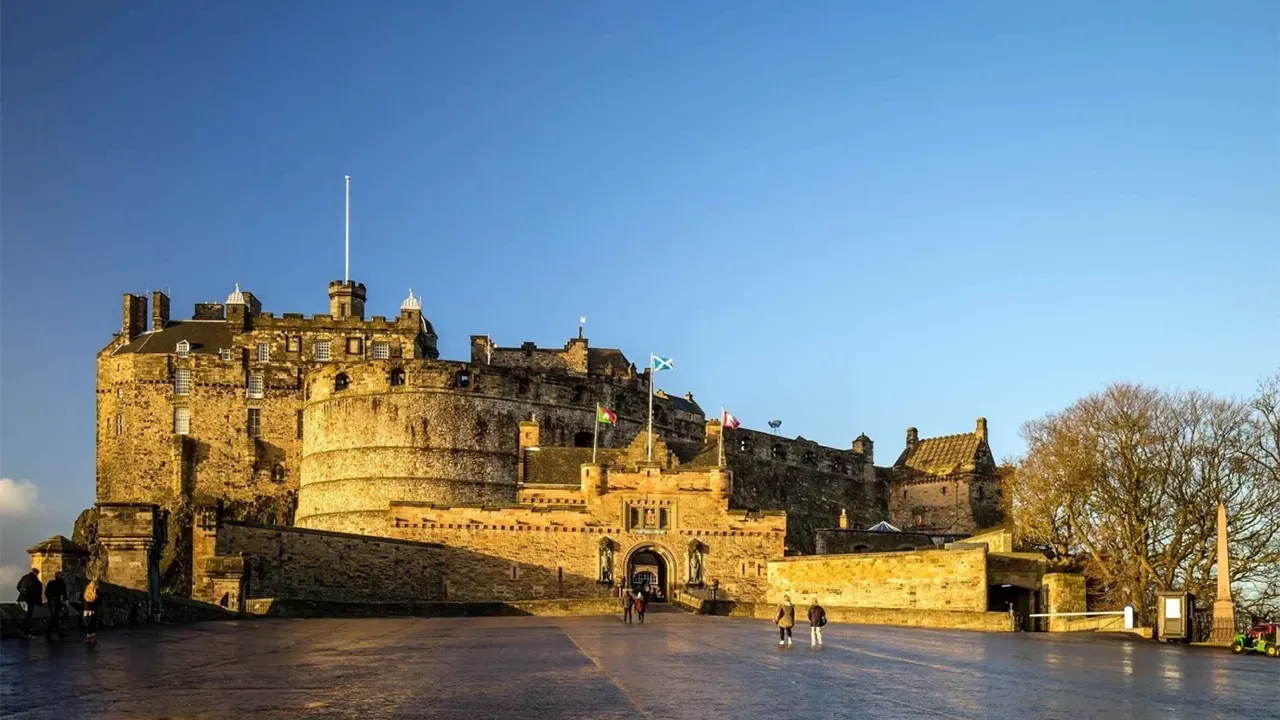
column 397, row 377
column 463, row 379
column 582, row 439
column 778, row 452
column 904, row 494
column 182, row 382
column 181, row 421
column 224, row 354
column 293, row 344
column 982, row 493
column 277, row 473
column 264, row 352
column 944, row 490
column 340, row 382
column 323, row 350
column 808, row 457
column 381, row 350
column 119, row 424
column 183, row 348
column 299, row 424
column 743, row 445
column 664, row 518
column 255, row 385
column 254, row 425
column 354, row 346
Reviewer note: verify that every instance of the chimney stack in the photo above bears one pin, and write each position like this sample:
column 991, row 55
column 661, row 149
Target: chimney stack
column 913, row 437
column 135, row 316
column 982, row 429
column 159, row 310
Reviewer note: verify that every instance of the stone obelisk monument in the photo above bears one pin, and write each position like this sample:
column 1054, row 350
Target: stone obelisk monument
column 1224, row 610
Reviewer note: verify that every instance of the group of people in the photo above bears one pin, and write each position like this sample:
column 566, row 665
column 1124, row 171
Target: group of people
column 32, row 594
column 633, row 601
column 785, row 619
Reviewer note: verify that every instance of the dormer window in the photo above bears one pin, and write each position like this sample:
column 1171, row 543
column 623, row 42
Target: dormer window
column 264, row 352
column 183, row 349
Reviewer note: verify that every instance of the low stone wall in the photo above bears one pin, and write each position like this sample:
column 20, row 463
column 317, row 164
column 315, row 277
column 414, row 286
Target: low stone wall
column 918, row 579
column 118, row 607
column 284, row 607
column 298, row 563
column 940, row 619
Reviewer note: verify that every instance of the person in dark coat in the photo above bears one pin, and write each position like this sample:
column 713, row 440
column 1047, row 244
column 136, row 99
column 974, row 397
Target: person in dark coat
column 55, row 593
column 817, row 618
column 640, row 603
column 30, row 594
column 91, row 613
column 627, row 606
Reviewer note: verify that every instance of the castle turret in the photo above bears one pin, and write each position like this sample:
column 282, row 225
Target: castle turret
column 862, row 445
column 242, row 307
column 346, row 299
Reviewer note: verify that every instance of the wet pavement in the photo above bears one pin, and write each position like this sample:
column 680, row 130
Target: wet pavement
column 675, row 666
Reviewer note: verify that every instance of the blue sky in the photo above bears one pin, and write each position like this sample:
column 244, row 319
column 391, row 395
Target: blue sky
column 850, row 216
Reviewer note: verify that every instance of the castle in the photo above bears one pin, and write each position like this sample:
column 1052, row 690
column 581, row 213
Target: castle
column 247, row 454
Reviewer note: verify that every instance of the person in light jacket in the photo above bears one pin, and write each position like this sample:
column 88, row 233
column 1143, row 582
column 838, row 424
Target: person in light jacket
column 785, row 620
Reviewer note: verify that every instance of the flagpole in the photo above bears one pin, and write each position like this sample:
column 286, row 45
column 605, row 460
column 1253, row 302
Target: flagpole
column 651, row 372
column 595, row 436
column 721, row 437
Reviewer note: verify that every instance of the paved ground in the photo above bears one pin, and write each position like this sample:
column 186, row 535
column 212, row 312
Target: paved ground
column 676, row 666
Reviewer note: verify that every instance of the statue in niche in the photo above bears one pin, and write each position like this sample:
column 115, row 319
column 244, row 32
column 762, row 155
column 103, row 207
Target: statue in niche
column 695, row 562
column 606, row 561
column 650, row 518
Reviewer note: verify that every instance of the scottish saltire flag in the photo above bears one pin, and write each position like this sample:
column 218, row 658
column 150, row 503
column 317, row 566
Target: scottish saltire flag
column 661, row 363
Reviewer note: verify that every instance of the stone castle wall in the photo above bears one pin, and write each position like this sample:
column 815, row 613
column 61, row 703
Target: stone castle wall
column 811, row 482
column 922, row 580
column 959, row 503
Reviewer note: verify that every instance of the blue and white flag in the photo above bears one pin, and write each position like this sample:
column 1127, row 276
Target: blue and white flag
column 660, row 363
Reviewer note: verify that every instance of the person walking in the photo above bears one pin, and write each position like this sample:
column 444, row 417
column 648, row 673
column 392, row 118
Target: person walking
column 55, row 593
column 627, row 601
column 785, row 620
column 817, row 618
column 30, row 593
column 91, row 614
column 639, row 604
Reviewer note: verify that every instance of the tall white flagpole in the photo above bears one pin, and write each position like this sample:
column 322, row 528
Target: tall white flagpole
column 595, row 436
column 652, row 372
column 346, row 264
column 721, row 437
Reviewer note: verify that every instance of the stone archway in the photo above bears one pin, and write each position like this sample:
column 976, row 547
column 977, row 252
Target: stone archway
column 650, row 567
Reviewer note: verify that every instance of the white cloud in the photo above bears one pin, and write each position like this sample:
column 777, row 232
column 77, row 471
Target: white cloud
column 9, row 575
column 17, row 497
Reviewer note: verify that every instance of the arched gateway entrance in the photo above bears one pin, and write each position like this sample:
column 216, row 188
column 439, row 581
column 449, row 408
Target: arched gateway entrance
column 650, row 569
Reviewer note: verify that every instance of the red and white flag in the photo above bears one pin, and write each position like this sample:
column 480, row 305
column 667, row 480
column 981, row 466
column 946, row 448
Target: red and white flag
column 728, row 421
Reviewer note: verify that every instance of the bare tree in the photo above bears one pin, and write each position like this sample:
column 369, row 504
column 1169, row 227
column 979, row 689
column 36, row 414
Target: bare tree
column 1127, row 482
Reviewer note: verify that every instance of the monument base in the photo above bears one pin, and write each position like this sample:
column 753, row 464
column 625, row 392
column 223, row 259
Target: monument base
column 1224, row 622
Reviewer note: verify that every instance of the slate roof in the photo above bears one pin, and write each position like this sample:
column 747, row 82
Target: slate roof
column 205, row 336
column 562, row 465
column 942, row 455
column 598, row 359
column 58, row 544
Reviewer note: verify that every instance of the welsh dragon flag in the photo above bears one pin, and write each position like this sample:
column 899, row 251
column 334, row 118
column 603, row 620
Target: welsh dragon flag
column 605, row 416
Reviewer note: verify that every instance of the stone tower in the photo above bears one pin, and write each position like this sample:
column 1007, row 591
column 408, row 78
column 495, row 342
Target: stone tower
column 346, row 299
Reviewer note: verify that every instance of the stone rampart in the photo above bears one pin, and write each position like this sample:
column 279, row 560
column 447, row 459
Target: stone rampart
column 917, row 580
column 903, row 617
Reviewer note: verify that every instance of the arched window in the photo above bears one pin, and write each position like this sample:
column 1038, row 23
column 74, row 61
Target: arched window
column 743, row 445
column 340, row 382
column 944, row 489
column 982, row 493
column 397, row 377
column 779, row 452
column 582, row 439
column 277, row 473
column 463, row 380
